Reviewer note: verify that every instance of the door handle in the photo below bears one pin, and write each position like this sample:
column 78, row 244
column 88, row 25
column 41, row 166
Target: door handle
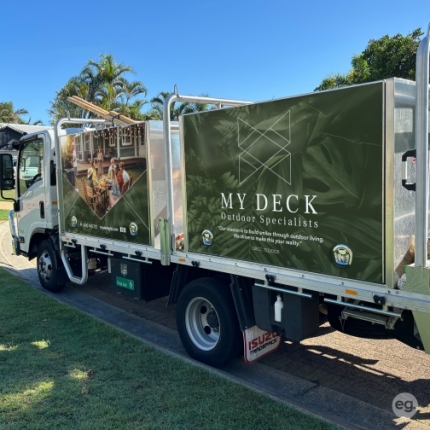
column 409, row 154
column 42, row 210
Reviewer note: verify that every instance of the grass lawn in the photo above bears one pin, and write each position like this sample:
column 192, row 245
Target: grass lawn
column 4, row 214
column 63, row 369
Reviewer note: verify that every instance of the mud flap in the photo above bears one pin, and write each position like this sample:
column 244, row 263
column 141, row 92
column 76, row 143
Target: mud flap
column 422, row 321
column 259, row 343
column 62, row 277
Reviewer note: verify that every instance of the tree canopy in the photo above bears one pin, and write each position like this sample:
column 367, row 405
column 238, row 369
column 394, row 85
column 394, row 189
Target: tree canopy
column 104, row 84
column 9, row 114
column 382, row 58
column 176, row 109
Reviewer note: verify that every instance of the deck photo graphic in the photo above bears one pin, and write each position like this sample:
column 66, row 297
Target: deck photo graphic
column 105, row 183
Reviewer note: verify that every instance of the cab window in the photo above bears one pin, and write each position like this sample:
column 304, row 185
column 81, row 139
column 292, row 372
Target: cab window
column 30, row 164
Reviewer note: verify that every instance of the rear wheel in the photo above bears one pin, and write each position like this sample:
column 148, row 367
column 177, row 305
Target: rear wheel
column 47, row 267
column 207, row 322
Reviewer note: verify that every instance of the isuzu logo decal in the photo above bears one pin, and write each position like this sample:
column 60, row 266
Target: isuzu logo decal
column 258, row 343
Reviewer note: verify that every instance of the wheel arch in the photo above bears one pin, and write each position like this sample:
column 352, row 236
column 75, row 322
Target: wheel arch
column 35, row 241
column 240, row 289
column 183, row 275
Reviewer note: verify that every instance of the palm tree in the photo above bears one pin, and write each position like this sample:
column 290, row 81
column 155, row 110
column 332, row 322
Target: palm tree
column 8, row 113
column 131, row 90
column 157, row 104
column 134, row 110
column 102, row 83
column 176, row 109
column 61, row 107
column 107, row 96
column 127, row 107
column 106, row 70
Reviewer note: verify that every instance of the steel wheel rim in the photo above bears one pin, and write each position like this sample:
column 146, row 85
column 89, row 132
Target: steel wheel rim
column 45, row 266
column 202, row 323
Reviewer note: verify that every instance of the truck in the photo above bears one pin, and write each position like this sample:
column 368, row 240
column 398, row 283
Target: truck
column 253, row 218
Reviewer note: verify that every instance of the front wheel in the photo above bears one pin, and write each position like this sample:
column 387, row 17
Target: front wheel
column 207, row 322
column 47, row 267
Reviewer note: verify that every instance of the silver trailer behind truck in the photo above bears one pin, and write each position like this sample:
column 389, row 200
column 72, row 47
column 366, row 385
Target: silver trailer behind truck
column 252, row 217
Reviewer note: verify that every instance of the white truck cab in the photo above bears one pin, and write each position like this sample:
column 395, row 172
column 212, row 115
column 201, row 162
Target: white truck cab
column 35, row 208
column 36, row 191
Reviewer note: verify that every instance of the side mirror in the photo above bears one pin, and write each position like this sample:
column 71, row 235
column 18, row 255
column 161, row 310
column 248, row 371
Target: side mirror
column 7, row 181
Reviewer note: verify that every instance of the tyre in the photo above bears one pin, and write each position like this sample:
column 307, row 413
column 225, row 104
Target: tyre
column 47, row 266
column 355, row 327
column 207, row 322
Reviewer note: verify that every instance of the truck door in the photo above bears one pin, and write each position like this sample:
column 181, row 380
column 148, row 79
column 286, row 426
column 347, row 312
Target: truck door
column 33, row 174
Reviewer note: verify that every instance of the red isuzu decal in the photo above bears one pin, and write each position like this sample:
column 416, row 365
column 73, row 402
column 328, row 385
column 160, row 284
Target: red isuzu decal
column 259, row 343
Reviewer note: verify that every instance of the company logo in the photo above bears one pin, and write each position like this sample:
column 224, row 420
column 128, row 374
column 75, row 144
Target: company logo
column 262, row 342
column 265, row 149
column 259, row 343
column 133, row 228
column 74, row 221
column 342, row 255
column 207, row 237
column 405, row 405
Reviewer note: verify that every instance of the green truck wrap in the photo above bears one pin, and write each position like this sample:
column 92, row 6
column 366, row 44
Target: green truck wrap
column 295, row 183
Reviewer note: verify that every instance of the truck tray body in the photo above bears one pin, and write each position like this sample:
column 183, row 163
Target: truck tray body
column 311, row 183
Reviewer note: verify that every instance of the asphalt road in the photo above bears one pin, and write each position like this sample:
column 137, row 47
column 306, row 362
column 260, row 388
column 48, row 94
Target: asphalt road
column 346, row 380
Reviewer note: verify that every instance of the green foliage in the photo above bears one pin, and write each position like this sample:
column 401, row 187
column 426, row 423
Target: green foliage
column 61, row 107
column 176, row 109
column 9, row 114
column 156, row 111
column 63, row 369
column 383, row 58
column 102, row 83
column 4, row 215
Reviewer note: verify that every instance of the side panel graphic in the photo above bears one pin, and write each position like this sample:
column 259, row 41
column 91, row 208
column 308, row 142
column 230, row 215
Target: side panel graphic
column 295, row 182
column 104, row 184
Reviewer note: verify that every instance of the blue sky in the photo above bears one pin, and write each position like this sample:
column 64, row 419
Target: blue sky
column 247, row 50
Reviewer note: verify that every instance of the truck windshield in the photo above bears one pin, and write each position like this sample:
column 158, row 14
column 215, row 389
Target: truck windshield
column 30, row 164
